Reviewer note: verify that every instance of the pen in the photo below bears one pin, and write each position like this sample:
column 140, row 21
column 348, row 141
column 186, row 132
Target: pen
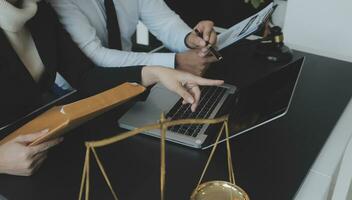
column 211, row 48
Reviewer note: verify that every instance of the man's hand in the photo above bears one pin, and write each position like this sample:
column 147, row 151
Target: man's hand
column 206, row 28
column 193, row 62
column 197, row 60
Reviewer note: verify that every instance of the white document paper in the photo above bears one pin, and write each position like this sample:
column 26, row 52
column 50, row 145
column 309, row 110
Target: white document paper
column 244, row 28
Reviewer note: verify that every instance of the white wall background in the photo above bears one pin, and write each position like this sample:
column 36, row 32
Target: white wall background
column 322, row 27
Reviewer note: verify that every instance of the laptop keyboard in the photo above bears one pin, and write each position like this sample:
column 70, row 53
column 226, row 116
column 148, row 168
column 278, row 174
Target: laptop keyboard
column 210, row 97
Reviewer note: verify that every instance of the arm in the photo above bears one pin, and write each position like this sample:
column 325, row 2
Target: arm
column 165, row 24
column 84, row 34
column 88, row 78
column 81, row 72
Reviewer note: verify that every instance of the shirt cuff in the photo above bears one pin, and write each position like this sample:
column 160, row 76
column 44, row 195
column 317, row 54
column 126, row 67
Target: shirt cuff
column 163, row 59
column 183, row 34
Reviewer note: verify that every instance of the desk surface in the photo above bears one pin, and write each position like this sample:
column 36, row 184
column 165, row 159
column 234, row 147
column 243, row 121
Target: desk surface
column 270, row 162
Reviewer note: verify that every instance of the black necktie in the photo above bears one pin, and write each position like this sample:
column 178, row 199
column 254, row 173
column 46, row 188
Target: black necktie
column 112, row 25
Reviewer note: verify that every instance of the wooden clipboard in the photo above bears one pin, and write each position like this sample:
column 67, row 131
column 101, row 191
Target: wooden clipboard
column 61, row 119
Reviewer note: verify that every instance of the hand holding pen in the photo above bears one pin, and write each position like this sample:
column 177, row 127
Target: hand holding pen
column 210, row 47
column 203, row 37
column 201, row 53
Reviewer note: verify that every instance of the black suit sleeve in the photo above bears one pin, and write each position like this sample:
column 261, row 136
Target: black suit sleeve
column 81, row 72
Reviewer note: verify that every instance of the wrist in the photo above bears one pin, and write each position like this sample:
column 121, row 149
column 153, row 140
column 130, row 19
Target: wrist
column 3, row 170
column 179, row 57
column 149, row 75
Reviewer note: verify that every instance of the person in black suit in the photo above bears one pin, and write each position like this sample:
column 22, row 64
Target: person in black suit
column 33, row 47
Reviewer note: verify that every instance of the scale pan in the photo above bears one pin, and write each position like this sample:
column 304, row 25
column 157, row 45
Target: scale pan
column 219, row 190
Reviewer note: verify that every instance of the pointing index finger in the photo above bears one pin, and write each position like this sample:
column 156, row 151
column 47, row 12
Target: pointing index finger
column 208, row 82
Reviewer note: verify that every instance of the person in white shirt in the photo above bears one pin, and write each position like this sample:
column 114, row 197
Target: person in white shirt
column 85, row 20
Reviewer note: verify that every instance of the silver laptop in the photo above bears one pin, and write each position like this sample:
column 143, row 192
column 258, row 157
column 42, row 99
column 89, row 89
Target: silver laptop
column 257, row 104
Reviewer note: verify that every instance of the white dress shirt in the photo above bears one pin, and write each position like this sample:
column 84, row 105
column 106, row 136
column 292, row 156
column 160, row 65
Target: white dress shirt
column 85, row 20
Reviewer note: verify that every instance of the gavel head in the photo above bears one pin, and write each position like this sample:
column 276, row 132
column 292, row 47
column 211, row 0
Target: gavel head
column 276, row 35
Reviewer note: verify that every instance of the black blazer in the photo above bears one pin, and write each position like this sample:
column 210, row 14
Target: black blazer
column 20, row 94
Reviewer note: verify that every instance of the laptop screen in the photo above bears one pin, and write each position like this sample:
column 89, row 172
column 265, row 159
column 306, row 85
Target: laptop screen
column 266, row 99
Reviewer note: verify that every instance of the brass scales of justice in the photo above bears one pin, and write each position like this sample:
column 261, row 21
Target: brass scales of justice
column 212, row 190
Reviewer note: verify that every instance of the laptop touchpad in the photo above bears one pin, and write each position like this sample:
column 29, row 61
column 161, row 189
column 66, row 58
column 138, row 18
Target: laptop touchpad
column 159, row 100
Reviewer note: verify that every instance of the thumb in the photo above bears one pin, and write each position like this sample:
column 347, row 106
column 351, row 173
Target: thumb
column 28, row 138
column 196, row 41
column 184, row 94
